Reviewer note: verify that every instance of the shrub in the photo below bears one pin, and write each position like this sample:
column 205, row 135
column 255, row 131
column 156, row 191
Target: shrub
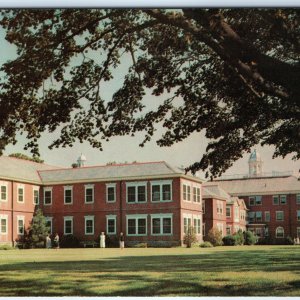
column 229, row 240
column 251, row 239
column 111, row 241
column 190, row 237
column 215, row 237
column 239, row 238
column 140, row 245
column 289, row 241
column 206, row 245
column 7, row 247
column 69, row 241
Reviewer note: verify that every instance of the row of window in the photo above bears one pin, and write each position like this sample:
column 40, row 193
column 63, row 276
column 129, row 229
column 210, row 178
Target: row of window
column 279, row 232
column 20, row 193
column 277, row 200
column 237, row 213
column 187, row 189
column 161, row 224
column 4, row 224
column 258, row 216
column 192, row 221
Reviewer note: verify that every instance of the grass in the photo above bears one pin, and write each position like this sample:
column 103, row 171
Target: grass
column 222, row 271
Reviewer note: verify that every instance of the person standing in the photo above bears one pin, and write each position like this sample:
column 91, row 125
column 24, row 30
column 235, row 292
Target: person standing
column 121, row 240
column 102, row 240
column 48, row 241
column 56, row 241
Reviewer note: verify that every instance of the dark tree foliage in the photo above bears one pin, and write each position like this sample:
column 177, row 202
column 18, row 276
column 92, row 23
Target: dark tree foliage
column 23, row 156
column 235, row 71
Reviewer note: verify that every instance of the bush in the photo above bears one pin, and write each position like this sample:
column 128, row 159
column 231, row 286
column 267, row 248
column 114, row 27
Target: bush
column 250, row 238
column 206, row 245
column 140, row 245
column 111, row 241
column 190, row 237
column 69, row 241
column 215, row 237
column 239, row 238
column 229, row 240
column 289, row 241
column 7, row 247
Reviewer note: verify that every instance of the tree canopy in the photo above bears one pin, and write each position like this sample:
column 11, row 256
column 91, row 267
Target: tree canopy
column 26, row 157
column 233, row 73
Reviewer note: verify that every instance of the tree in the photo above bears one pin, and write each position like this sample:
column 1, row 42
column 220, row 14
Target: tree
column 38, row 230
column 23, row 156
column 190, row 237
column 231, row 72
column 214, row 236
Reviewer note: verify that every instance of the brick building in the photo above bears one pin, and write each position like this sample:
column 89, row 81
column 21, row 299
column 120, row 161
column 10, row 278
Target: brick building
column 149, row 202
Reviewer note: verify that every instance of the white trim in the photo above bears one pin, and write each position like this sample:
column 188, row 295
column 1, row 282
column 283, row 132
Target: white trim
column 4, row 217
column 68, row 188
column 160, row 183
column 136, row 184
column 47, row 189
column 4, row 184
column 188, row 187
column 111, row 217
column 68, row 218
column 20, row 218
column 279, row 227
column 20, row 187
column 89, row 218
column 36, row 189
column 136, row 218
column 197, row 218
column 50, row 219
column 161, row 217
column 279, row 211
column 111, row 185
column 89, row 186
column 197, row 194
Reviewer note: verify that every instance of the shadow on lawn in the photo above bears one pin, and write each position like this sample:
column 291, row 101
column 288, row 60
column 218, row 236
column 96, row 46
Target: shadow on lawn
column 175, row 275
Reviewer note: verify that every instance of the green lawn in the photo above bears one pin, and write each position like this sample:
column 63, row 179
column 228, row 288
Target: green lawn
column 222, row 271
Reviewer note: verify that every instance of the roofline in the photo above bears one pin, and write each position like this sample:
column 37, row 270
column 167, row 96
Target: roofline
column 287, row 192
column 21, row 180
column 30, row 161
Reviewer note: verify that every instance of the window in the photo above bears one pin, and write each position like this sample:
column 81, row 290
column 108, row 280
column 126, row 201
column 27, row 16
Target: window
column 251, row 201
column 298, row 199
column 3, row 224
column 161, row 224
column 20, row 194
column 49, row 224
column 186, row 192
column 48, row 196
column 279, row 216
column 228, row 211
column 89, row 193
column 36, row 196
column 267, row 216
column 266, row 231
column 111, row 222
column 258, row 232
column 187, row 222
column 258, row 200
column 3, row 188
column 68, row 194
column 236, row 213
column 20, row 224
column 196, row 194
column 89, row 225
column 251, row 216
column 203, row 206
column 136, row 192
column 68, row 225
column 136, row 224
column 161, row 191
column 197, row 224
column 258, row 216
column 275, row 200
column 219, row 207
column 220, row 227
column 228, row 230
column 243, row 215
column 298, row 215
column 279, row 232
column 283, row 199
column 111, row 192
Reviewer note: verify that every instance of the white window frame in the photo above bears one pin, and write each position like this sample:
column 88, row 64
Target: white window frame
column 186, row 195
column 161, row 183
column 136, row 217
column 228, row 229
column 196, row 195
column 136, row 184
column 50, row 219
column 228, row 207
column 20, row 187
column 4, row 184
column 68, row 188
column 89, row 218
column 275, row 197
column 47, row 189
column 252, row 198
column 4, row 217
column 280, row 211
column 283, row 196
column 161, row 217
column 36, row 189
column 261, row 216
column 111, row 217
column 197, row 227
column 86, row 187
column 276, row 233
column 113, row 185
column 220, row 208
column 20, row 218
column 189, row 222
column 68, row 218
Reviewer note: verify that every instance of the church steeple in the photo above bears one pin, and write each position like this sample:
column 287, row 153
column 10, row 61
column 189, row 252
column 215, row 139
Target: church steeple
column 255, row 164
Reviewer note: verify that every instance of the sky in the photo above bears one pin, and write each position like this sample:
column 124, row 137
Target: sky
column 126, row 149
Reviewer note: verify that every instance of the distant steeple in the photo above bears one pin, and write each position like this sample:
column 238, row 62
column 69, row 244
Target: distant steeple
column 81, row 161
column 255, row 164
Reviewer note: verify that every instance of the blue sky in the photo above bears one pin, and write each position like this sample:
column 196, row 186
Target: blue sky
column 121, row 149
